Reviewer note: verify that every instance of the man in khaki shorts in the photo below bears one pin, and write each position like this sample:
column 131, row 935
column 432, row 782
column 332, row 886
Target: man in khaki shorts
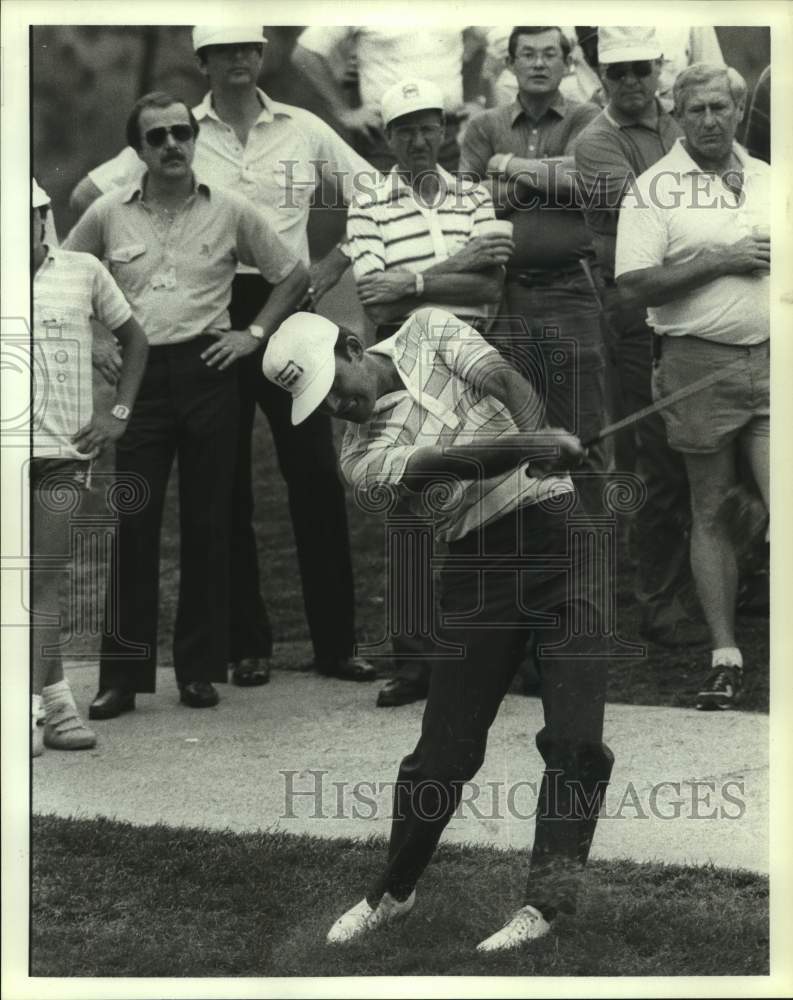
column 693, row 246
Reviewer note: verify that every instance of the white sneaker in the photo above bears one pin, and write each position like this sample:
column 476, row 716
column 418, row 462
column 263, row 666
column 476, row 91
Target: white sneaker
column 362, row 917
column 65, row 730
column 526, row 925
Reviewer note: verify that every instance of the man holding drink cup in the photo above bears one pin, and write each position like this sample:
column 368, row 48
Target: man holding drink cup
column 423, row 238
column 693, row 245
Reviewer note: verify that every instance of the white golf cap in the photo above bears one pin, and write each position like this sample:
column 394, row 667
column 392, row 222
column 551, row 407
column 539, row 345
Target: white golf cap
column 408, row 96
column 221, row 34
column 616, row 45
column 40, row 196
column 299, row 357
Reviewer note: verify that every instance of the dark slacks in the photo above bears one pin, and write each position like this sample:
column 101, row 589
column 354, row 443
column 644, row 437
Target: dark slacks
column 307, row 460
column 464, row 698
column 660, row 529
column 186, row 411
column 556, row 342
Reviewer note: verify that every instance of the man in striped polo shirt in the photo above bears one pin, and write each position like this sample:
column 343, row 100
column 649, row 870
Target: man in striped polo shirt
column 417, row 239
column 436, row 401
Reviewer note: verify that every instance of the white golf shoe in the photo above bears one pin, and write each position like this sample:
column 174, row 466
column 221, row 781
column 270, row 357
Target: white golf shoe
column 526, row 925
column 362, row 918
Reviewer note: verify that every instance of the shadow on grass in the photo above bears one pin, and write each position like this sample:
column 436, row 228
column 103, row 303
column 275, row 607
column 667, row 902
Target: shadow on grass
column 111, row 899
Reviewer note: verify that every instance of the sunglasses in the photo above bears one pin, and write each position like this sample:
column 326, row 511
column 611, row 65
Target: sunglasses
column 156, row 137
column 618, row 71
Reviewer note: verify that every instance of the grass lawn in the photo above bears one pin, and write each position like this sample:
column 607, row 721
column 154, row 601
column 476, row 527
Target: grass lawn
column 110, row 899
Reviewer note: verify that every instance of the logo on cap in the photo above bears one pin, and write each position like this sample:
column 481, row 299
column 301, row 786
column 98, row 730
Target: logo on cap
column 289, row 374
column 410, row 90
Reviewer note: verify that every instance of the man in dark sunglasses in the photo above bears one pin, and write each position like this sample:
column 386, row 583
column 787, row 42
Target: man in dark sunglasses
column 631, row 134
column 172, row 241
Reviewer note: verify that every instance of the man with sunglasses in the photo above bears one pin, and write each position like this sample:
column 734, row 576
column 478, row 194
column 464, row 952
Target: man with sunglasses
column 417, row 239
column 172, row 243
column 631, row 134
column 276, row 155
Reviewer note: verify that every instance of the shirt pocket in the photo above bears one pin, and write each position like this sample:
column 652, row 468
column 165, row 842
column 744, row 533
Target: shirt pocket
column 126, row 254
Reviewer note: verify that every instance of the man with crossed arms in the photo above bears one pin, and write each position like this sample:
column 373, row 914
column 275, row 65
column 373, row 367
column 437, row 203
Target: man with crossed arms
column 420, row 237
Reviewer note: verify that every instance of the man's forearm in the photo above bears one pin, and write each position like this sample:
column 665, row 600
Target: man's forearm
column 509, row 387
column 455, row 289
column 318, row 72
column 489, row 457
column 655, row 286
column 285, row 297
column 135, row 350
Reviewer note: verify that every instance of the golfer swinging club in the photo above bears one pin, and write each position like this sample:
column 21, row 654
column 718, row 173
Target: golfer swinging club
column 436, row 401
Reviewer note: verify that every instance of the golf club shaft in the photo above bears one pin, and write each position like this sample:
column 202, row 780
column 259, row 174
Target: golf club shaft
column 662, row 404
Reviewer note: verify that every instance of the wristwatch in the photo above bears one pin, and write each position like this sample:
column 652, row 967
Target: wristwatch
column 257, row 332
column 120, row 412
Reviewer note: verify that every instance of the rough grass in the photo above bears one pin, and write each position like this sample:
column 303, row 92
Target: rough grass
column 110, row 899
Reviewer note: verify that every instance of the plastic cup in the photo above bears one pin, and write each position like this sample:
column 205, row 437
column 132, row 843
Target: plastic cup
column 495, row 227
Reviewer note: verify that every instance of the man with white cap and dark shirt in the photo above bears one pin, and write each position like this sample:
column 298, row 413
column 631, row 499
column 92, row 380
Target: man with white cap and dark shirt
column 436, row 401
column 632, row 133
column 419, row 237
column 276, row 155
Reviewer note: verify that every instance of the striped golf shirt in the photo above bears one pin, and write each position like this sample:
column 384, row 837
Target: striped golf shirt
column 442, row 362
column 69, row 290
column 388, row 229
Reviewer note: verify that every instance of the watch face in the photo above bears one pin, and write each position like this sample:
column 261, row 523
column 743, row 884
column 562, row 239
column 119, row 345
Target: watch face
column 256, row 331
column 120, row 412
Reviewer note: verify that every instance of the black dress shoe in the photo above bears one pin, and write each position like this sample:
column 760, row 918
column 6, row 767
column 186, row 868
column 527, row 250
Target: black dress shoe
column 250, row 671
column 198, row 694
column 110, row 703
column 350, row 668
column 401, row 691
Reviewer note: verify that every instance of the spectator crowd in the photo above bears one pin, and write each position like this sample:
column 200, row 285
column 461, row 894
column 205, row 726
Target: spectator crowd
column 587, row 235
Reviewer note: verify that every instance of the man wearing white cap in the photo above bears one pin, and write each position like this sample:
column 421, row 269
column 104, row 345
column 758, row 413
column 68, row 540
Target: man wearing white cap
column 276, row 155
column 436, row 401
column 420, row 238
column 629, row 136
column 384, row 55
column 69, row 291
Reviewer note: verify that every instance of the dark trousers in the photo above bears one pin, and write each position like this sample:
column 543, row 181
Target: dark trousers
column 465, row 695
column 660, row 529
column 307, row 460
column 556, row 342
column 189, row 411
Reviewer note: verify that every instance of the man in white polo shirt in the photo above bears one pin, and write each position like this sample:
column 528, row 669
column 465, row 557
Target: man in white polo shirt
column 276, row 155
column 418, row 239
column 693, row 246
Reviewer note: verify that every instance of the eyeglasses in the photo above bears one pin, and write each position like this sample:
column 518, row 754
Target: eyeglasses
column 156, row 137
column 618, row 71
column 405, row 132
